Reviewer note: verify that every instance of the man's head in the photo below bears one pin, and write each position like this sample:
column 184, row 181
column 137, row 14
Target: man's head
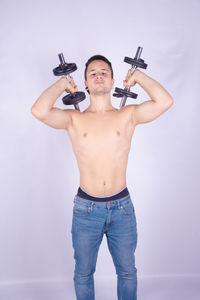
column 98, row 75
column 98, row 57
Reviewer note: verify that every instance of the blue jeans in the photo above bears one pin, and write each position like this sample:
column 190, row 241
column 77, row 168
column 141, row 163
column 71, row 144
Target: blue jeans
column 90, row 221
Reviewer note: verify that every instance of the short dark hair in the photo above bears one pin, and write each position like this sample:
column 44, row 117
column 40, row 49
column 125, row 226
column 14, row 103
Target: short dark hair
column 98, row 57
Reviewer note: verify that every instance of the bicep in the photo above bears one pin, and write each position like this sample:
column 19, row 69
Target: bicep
column 56, row 118
column 148, row 111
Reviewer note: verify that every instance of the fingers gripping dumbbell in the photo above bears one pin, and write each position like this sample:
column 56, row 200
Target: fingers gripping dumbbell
column 136, row 62
column 66, row 69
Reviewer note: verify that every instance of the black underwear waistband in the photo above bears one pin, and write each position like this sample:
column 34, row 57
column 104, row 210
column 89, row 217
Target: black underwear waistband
column 82, row 194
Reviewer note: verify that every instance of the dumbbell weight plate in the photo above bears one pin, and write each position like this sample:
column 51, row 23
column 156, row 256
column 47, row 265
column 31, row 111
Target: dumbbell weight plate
column 74, row 98
column 123, row 92
column 118, row 95
column 64, row 69
column 137, row 63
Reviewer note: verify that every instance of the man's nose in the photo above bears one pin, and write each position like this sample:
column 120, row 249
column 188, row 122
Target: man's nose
column 98, row 75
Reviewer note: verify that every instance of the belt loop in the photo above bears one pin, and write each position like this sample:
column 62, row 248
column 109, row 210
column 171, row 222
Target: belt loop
column 91, row 206
column 119, row 205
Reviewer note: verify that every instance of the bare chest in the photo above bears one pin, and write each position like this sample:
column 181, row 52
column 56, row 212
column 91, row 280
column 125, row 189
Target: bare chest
column 100, row 135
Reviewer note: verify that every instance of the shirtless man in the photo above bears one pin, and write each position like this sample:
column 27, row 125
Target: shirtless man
column 101, row 139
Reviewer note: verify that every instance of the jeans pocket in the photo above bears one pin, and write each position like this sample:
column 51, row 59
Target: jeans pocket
column 128, row 208
column 81, row 210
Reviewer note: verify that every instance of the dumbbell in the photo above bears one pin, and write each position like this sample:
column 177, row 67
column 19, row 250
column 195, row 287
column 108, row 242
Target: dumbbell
column 136, row 62
column 65, row 69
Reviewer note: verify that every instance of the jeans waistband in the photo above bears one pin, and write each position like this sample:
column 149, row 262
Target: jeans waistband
column 105, row 204
column 82, row 194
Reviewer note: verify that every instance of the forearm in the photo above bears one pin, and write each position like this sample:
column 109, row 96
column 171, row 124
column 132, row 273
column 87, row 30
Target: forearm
column 153, row 88
column 47, row 99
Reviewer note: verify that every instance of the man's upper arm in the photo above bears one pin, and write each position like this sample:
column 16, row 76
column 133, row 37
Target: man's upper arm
column 56, row 118
column 148, row 111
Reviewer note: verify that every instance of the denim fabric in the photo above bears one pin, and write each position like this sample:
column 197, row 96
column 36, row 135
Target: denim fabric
column 90, row 221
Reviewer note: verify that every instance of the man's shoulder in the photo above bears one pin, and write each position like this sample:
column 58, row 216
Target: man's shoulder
column 128, row 112
column 72, row 112
column 85, row 114
column 128, row 109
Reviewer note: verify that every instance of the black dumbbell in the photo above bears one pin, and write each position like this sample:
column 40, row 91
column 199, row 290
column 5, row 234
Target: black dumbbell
column 136, row 62
column 66, row 69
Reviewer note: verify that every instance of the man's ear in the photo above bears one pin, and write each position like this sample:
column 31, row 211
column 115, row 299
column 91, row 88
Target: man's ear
column 86, row 86
column 113, row 81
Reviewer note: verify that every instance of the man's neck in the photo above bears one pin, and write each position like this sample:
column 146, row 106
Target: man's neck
column 100, row 103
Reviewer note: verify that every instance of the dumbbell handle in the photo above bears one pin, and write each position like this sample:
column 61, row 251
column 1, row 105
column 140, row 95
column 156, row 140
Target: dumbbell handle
column 62, row 62
column 127, row 88
column 77, row 107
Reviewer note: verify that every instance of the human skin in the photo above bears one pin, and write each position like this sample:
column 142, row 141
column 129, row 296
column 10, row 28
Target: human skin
column 101, row 135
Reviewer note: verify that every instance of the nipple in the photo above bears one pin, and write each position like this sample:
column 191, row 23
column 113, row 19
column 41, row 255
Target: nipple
column 118, row 133
column 85, row 135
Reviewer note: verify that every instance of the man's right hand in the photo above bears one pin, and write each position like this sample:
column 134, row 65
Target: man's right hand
column 71, row 87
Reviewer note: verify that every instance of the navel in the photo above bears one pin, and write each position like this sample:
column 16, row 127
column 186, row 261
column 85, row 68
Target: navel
column 118, row 133
column 85, row 134
column 104, row 183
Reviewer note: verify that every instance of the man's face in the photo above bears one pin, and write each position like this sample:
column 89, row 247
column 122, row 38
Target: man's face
column 99, row 80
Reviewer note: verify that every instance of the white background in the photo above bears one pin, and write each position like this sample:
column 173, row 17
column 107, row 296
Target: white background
column 39, row 175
